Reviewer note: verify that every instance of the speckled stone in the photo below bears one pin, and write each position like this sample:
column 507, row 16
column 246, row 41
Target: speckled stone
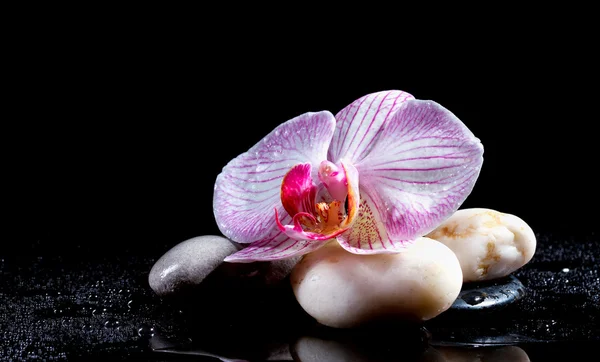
column 488, row 244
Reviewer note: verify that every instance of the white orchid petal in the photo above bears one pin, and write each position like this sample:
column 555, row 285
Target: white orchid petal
column 422, row 167
column 248, row 188
column 359, row 124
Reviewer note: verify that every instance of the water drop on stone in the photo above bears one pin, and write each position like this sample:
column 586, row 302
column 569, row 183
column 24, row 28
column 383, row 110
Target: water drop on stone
column 112, row 323
column 146, row 331
column 473, row 298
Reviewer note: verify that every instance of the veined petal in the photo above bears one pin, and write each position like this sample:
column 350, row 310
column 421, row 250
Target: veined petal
column 423, row 166
column 359, row 124
column 248, row 188
column 368, row 234
column 275, row 246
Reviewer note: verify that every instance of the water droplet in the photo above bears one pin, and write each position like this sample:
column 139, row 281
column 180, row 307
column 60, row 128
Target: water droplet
column 146, row 331
column 565, row 270
column 276, row 149
column 112, row 323
column 473, row 298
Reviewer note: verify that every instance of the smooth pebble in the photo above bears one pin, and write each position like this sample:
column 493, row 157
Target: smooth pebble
column 190, row 262
column 489, row 244
column 343, row 290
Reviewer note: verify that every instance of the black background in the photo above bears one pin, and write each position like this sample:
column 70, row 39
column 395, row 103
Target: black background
column 113, row 134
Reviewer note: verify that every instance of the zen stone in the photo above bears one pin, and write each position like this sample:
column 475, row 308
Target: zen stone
column 489, row 295
column 488, row 243
column 342, row 290
column 191, row 262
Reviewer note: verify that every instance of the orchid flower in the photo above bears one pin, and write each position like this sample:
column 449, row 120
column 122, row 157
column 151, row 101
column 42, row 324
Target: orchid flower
column 384, row 171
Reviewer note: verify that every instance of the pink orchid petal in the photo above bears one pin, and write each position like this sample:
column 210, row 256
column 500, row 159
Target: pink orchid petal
column 368, row 234
column 248, row 188
column 275, row 246
column 298, row 191
column 359, row 124
column 422, row 167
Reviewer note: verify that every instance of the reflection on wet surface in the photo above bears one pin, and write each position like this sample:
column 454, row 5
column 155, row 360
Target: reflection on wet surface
column 359, row 348
column 315, row 349
column 56, row 308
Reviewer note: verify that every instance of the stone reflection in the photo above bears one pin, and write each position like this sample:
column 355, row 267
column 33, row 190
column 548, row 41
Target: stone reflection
column 316, row 349
column 405, row 343
column 487, row 354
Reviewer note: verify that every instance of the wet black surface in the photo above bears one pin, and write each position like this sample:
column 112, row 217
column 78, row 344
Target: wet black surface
column 100, row 307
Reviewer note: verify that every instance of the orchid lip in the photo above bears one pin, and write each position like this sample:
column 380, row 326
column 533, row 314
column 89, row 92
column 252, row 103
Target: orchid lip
column 298, row 233
column 313, row 219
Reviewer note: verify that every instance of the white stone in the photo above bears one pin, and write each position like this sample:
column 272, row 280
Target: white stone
column 344, row 290
column 488, row 243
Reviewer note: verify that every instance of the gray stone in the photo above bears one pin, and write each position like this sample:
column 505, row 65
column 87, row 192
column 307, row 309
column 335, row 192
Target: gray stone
column 200, row 259
column 189, row 263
